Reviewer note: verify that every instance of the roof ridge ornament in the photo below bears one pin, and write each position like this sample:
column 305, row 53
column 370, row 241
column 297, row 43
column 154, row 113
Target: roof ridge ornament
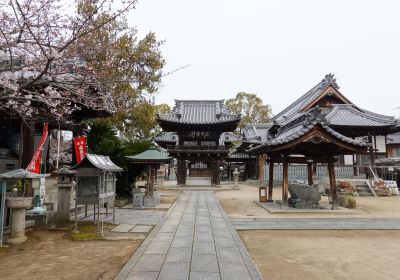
column 180, row 110
column 218, row 109
column 329, row 80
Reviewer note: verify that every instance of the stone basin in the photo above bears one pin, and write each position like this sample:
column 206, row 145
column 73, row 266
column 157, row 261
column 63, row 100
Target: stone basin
column 18, row 202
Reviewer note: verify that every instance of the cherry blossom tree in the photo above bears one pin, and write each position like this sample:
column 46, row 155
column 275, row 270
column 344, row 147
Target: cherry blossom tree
column 42, row 73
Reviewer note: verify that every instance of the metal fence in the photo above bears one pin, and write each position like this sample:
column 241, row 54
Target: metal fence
column 299, row 172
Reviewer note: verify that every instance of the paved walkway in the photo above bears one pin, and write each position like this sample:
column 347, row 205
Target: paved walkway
column 317, row 223
column 194, row 240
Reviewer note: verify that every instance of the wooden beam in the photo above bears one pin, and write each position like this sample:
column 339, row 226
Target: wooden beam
column 285, row 184
column 270, row 181
column 299, row 160
column 332, row 181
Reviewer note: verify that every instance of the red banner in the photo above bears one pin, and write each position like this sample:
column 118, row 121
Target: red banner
column 34, row 165
column 80, row 148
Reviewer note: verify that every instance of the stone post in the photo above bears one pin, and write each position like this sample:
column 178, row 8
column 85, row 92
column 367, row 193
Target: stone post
column 18, row 206
column 64, row 186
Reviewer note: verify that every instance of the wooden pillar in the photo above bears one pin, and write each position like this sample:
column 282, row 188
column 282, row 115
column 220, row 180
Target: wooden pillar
column 332, row 182
column 270, row 181
column 151, row 185
column 355, row 168
column 261, row 165
column 285, row 184
column 310, row 173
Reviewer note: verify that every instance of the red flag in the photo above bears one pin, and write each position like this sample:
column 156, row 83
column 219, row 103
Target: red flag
column 34, row 165
column 80, row 148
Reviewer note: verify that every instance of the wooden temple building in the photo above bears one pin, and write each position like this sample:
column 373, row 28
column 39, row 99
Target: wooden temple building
column 316, row 128
column 195, row 133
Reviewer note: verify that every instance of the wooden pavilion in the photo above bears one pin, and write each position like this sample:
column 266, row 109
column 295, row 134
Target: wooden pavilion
column 151, row 158
column 198, row 126
column 306, row 140
column 321, row 124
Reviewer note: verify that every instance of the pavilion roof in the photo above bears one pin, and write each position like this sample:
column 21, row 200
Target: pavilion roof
column 299, row 127
column 22, row 174
column 199, row 112
column 151, row 155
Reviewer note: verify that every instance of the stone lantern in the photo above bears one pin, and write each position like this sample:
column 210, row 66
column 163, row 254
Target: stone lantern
column 64, row 185
column 236, row 178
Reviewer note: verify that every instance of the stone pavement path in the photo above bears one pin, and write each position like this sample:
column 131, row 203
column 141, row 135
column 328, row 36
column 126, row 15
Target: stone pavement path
column 316, row 223
column 195, row 240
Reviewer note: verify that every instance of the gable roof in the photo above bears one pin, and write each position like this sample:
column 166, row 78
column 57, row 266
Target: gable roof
column 199, row 112
column 309, row 97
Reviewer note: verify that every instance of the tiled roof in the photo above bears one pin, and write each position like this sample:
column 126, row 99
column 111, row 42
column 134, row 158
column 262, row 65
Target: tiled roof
column 350, row 115
column 150, row 155
column 256, row 133
column 301, row 103
column 199, row 112
column 229, row 137
column 393, row 138
column 300, row 126
column 100, row 162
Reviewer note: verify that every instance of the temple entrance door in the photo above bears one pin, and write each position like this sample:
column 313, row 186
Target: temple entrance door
column 199, row 169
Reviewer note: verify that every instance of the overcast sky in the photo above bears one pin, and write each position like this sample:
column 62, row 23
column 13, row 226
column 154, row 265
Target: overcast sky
column 277, row 49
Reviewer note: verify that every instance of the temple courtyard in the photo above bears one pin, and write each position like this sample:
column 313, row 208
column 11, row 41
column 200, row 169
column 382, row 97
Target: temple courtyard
column 220, row 234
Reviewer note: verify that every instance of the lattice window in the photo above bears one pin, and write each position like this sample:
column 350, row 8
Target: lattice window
column 208, row 143
column 190, row 143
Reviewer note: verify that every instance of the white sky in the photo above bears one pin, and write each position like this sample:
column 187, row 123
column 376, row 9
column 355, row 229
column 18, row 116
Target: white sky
column 277, row 49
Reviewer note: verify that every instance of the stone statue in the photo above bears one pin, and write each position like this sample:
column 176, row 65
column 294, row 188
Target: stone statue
column 303, row 196
column 236, row 178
